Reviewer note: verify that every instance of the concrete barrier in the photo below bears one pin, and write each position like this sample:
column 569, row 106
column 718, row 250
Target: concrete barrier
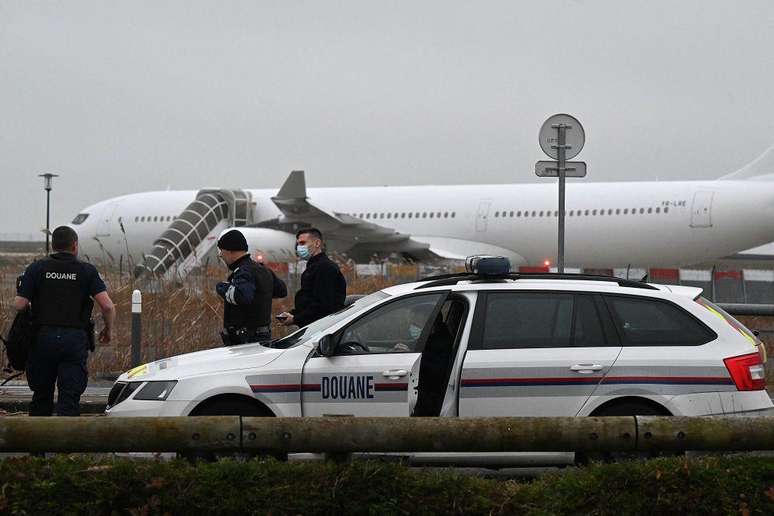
column 396, row 434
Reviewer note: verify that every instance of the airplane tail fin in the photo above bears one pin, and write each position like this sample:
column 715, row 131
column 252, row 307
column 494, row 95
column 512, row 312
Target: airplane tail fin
column 760, row 167
column 294, row 186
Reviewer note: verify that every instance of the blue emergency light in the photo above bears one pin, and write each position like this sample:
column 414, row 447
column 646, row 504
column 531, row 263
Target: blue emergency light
column 488, row 265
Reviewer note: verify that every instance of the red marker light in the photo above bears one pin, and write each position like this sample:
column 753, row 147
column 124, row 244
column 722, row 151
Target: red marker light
column 546, row 263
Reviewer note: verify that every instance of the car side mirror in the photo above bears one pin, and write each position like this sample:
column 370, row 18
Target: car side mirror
column 326, row 346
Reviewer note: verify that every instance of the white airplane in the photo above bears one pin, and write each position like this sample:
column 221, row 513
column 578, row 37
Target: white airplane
column 608, row 224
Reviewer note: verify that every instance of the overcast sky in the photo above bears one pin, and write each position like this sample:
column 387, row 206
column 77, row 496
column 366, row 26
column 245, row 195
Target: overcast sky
column 121, row 97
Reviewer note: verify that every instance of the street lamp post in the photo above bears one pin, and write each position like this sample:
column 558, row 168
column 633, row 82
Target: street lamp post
column 47, row 180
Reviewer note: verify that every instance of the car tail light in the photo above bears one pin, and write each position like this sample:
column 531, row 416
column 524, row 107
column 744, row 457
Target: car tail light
column 747, row 372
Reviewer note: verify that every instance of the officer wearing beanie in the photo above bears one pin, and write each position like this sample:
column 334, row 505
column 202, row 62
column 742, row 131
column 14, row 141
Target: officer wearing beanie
column 247, row 293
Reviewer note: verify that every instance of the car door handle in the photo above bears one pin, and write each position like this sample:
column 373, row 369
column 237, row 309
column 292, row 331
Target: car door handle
column 586, row 368
column 394, row 374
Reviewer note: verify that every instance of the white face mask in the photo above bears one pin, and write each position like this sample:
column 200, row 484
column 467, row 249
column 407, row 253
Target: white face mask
column 414, row 331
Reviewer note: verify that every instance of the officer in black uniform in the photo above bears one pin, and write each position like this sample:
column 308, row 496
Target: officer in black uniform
column 60, row 291
column 247, row 293
column 323, row 287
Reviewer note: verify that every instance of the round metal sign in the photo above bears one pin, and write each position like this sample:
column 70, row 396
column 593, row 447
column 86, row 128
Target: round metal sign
column 575, row 136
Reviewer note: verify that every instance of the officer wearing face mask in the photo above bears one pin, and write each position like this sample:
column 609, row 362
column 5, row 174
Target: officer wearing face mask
column 246, row 294
column 323, row 287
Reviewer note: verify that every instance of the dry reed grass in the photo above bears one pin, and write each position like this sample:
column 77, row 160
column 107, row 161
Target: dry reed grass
column 178, row 316
column 185, row 316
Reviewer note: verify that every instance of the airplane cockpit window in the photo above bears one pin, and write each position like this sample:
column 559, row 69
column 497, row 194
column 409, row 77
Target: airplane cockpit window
column 80, row 218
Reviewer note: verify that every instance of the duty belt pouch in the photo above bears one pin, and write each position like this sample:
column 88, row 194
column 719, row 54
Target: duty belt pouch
column 90, row 341
column 232, row 336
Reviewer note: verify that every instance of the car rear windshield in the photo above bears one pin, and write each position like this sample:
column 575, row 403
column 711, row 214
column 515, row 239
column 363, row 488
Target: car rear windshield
column 304, row 334
column 741, row 328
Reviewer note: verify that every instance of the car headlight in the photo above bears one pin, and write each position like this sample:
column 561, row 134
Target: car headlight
column 155, row 391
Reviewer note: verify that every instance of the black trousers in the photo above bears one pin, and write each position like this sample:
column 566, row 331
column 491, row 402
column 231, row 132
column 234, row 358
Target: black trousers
column 58, row 358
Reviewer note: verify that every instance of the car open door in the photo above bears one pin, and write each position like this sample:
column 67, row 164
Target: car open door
column 374, row 361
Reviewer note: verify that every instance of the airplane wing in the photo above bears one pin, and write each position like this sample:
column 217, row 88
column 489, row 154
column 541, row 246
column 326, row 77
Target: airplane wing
column 356, row 237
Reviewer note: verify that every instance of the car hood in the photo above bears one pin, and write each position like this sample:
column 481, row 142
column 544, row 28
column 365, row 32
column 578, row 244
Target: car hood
column 206, row 361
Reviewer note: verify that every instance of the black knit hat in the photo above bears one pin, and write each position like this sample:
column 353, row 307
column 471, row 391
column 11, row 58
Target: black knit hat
column 232, row 240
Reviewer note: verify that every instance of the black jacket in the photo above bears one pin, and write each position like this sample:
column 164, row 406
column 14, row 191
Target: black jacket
column 323, row 290
column 248, row 293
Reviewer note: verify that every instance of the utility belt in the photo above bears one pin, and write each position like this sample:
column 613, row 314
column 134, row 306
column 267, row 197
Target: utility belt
column 232, row 336
column 88, row 330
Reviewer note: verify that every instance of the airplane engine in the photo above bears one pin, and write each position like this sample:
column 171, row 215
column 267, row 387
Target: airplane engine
column 269, row 245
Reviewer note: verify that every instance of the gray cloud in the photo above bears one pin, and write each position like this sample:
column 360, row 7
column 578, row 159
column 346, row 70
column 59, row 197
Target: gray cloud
column 120, row 97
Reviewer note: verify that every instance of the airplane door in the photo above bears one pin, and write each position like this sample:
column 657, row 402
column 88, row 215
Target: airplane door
column 701, row 211
column 482, row 215
column 106, row 217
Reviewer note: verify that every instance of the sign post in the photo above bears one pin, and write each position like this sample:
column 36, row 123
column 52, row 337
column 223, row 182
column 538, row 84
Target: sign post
column 561, row 137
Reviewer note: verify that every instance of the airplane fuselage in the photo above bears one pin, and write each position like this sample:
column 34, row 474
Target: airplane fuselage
column 607, row 224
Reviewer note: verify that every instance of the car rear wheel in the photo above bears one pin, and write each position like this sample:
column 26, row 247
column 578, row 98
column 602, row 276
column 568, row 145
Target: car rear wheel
column 624, row 408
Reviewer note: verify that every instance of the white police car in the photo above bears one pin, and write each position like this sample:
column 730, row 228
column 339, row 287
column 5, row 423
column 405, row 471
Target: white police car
column 484, row 343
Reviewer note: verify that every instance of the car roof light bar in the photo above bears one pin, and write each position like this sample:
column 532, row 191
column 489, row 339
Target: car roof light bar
column 453, row 279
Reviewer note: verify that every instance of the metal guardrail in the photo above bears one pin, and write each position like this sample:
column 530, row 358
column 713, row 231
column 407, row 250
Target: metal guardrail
column 382, row 434
column 747, row 308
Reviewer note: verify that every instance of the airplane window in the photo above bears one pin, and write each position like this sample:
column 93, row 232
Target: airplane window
column 626, row 211
column 593, row 212
column 395, row 216
column 609, row 212
column 601, row 212
column 666, row 210
column 540, row 214
column 587, row 213
column 650, row 210
column 556, row 213
column 410, row 214
column 526, row 214
column 454, row 214
column 642, row 210
column 424, row 215
column 497, row 214
column 658, row 210
column 518, row 213
column 431, row 214
column 137, row 219
column 446, row 214
column 80, row 218
column 534, row 213
column 389, row 215
column 403, row 215
column 618, row 211
column 634, row 211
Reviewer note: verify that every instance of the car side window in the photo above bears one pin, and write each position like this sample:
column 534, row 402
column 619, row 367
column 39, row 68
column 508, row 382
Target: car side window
column 650, row 322
column 392, row 328
column 540, row 320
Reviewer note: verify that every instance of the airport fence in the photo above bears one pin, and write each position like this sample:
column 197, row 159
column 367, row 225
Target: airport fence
column 182, row 315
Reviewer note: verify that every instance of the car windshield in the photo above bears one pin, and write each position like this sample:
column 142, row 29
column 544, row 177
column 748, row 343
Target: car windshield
column 302, row 335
